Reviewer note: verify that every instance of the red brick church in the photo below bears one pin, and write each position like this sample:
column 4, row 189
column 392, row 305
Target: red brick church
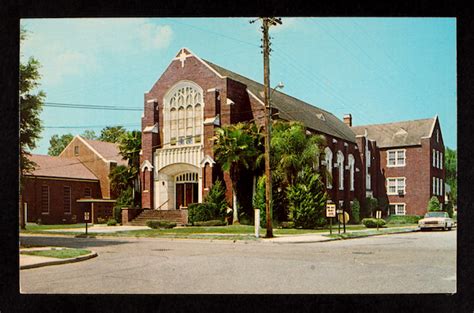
column 400, row 162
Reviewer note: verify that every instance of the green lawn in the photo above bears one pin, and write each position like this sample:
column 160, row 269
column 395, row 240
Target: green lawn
column 58, row 253
column 35, row 227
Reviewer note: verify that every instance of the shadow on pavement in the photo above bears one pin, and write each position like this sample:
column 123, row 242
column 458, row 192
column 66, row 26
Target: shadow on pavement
column 69, row 242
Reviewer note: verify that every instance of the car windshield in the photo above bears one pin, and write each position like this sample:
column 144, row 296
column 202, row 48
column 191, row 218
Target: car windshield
column 436, row 214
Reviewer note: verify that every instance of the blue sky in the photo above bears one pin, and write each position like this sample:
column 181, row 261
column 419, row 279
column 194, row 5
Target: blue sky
column 378, row 69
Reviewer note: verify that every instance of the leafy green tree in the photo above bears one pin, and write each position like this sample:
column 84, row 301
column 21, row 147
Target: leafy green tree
column 450, row 163
column 356, row 211
column 292, row 150
column 216, row 198
column 123, row 178
column 31, row 105
column 258, row 200
column 112, row 133
column 234, row 149
column 433, row 204
column 307, row 198
column 89, row 134
column 371, row 205
column 58, row 143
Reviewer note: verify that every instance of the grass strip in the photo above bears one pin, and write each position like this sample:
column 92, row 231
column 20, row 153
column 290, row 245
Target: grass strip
column 58, row 253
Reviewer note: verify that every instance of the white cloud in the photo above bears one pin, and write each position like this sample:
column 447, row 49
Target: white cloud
column 76, row 47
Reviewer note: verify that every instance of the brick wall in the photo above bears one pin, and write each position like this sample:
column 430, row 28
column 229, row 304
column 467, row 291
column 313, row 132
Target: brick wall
column 32, row 196
column 93, row 162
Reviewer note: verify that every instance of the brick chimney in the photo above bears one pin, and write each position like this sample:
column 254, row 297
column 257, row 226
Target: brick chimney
column 348, row 119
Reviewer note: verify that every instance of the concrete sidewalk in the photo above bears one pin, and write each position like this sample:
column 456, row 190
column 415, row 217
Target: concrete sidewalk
column 98, row 229
column 34, row 261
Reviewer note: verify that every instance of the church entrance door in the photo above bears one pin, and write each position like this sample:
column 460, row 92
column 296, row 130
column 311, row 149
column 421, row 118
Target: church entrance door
column 186, row 190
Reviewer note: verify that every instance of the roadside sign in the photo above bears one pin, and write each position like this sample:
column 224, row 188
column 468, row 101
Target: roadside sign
column 86, row 216
column 331, row 210
column 378, row 214
column 344, row 220
column 339, row 211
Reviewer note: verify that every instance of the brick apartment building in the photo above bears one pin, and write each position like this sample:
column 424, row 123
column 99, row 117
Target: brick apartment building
column 61, row 188
column 194, row 96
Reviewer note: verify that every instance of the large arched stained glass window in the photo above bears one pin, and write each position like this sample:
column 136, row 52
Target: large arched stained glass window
column 183, row 109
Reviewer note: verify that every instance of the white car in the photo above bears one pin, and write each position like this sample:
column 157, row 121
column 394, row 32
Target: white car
column 436, row 220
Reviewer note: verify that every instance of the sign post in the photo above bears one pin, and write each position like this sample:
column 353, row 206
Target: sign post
column 339, row 212
column 86, row 219
column 378, row 215
column 330, row 213
column 257, row 222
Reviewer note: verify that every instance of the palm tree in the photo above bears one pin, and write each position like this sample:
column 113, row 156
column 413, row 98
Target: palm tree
column 234, row 149
column 130, row 146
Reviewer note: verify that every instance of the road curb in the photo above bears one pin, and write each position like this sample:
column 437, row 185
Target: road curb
column 60, row 261
column 381, row 234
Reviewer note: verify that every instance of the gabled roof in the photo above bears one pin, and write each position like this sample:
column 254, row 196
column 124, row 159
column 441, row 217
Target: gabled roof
column 107, row 150
column 52, row 166
column 293, row 109
column 398, row 134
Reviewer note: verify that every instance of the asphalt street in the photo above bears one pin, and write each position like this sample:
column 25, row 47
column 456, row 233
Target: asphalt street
column 421, row 262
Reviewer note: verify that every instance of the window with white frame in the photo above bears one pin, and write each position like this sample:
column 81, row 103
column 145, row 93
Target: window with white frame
column 396, row 158
column 395, row 185
column 434, row 186
column 437, row 135
column 351, row 162
column 328, row 159
column 434, row 158
column 397, row 208
column 367, row 158
column 183, row 114
column 340, row 166
column 368, row 181
column 437, row 159
column 441, row 187
column 441, row 160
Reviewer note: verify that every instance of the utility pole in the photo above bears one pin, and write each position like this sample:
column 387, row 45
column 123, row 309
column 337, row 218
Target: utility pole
column 266, row 23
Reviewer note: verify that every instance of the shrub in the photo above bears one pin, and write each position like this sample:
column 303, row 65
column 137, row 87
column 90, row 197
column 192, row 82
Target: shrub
column 101, row 220
column 258, row 200
column 111, row 222
column 403, row 219
column 160, row 224
column 307, row 200
column 371, row 205
column 373, row 222
column 356, row 211
column 211, row 223
column 287, row 225
column 433, row 204
column 118, row 214
column 198, row 212
column 449, row 208
column 213, row 208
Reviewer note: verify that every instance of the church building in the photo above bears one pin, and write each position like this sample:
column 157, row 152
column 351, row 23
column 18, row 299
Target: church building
column 194, row 96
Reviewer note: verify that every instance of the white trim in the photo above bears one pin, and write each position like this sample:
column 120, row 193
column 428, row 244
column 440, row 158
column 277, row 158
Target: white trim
column 396, row 185
column 146, row 165
column 93, row 150
column 192, row 54
column 152, row 100
column 230, row 102
column 433, row 126
column 207, row 160
column 253, row 95
column 396, row 204
column 151, row 129
column 334, row 140
column 212, row 89
column 396, row 157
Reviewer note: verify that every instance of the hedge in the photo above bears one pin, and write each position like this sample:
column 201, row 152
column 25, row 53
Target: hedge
column 210, row 223
column 160, row 224
column 373, row 222
column 403, row 219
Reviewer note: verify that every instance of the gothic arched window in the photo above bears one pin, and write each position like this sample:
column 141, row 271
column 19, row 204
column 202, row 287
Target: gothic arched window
column 351, row 162
column 340, row 166
column 328, row 159
column 183, row 114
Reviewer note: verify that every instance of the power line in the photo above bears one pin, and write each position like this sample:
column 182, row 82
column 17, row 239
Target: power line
column 90, row 106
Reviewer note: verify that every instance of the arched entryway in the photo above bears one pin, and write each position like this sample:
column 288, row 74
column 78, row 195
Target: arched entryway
column 187, row 191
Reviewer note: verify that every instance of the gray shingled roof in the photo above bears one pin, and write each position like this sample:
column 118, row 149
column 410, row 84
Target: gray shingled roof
column 398, row 134
column 292, row 109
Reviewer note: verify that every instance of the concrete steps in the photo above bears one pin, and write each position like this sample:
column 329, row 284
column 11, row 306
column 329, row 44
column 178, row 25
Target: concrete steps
column 179, row 217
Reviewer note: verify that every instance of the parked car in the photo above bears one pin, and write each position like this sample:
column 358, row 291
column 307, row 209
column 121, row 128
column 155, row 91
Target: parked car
column 437, row 219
